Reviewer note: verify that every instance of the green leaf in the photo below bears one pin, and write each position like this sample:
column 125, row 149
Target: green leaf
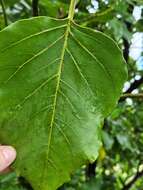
column 139, row 25
column 10, row 182
column 119, row 29
column 124, row 141
column 10, row 2
column 107, row 140
column 51, row 8
column 57, row 83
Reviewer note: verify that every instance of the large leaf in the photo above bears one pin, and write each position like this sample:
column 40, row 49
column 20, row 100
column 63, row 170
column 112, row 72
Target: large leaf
column 57, row 82
column 10, row 2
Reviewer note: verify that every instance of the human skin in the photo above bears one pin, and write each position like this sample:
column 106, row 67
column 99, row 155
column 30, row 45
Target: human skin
column 7, row 156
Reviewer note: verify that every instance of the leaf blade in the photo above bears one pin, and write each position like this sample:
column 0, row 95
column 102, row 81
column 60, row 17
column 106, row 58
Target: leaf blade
column 51, row 100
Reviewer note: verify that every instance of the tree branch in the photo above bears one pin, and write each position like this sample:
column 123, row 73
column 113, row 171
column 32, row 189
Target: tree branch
column 129, row 26
column 129, row 95
column 4, row 12
column 91, row 170
column 138, row 175
column 135, row 85
column 126, row 49
column 35, row 9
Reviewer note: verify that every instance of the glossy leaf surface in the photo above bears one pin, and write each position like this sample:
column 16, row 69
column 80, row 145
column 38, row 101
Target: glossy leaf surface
column 57, row 83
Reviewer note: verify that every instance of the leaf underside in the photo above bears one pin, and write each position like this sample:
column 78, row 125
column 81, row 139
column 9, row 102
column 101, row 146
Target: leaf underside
column 58, row 81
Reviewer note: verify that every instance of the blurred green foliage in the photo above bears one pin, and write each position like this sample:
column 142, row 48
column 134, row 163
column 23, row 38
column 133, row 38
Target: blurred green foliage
column 120, row 164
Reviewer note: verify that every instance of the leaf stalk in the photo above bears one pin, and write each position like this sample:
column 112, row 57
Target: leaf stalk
column 72, row 9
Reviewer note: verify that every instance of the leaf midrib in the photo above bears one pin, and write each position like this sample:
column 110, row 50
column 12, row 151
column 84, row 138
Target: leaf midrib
column 67, row 32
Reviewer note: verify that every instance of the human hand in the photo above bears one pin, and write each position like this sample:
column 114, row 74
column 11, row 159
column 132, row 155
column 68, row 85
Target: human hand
column 7, row 156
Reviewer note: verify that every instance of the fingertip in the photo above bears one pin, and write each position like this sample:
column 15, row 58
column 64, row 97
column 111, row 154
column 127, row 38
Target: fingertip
column 9, row 153
column 7, row 156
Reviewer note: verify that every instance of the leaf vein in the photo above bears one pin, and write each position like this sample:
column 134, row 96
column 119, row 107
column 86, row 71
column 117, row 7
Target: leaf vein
column 35, row 91
column 69, row 102
column 70, row 87
column 79, row 70
column 95, row 58
column 33, row 35
column 31, row 59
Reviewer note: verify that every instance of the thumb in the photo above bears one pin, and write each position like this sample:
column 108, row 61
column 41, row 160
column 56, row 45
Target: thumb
column 7, row 156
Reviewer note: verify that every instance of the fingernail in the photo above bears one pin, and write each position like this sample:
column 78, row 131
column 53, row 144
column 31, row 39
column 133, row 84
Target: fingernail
column 9, row 153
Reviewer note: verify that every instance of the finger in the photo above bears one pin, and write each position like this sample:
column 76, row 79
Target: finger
column 7, row 156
